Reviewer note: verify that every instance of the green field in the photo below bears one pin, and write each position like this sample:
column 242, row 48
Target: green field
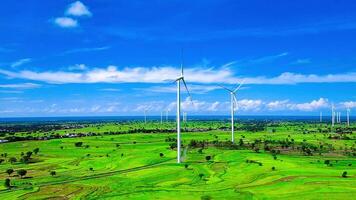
column 286, row 160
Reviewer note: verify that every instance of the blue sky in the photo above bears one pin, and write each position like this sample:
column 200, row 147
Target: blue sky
column 110, row 57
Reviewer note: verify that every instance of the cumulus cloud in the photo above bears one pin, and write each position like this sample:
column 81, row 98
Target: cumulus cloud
column 112, row 74
column 78, row 9
column 66, row 22
column 349, row 104
column 308, row 106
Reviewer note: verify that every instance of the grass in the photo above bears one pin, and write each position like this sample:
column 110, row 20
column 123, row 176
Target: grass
column 135, row 169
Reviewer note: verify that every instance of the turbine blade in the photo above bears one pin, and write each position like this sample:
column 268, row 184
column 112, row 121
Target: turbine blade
column 181, row 62
column 186, row 88
column 239, row 86
column 225, row 88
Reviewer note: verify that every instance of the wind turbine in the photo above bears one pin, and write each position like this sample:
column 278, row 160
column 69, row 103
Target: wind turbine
column 332, row 115
column 161, row 117
column 233, row 102
column 321, row 117
column 167, row 115
column 178, row 81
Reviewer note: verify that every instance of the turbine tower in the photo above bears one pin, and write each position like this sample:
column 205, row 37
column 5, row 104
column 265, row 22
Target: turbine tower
column 167, row 115
column 233, row 102
column 332, row 115
column 178, row 81
column 161, row 117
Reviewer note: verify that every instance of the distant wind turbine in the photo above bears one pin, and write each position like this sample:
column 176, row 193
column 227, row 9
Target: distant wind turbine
column 321, row 117
column 233, row 102
column 332, row 115
column 161, row 117
column 167, row 115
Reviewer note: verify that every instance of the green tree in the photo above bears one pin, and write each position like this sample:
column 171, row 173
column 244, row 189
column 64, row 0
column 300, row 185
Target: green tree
column 36, row 151
column 7, row 183
column 53, row 173
column 12, row 160
column 344, row 174
column 9, row 171
column 21, row 173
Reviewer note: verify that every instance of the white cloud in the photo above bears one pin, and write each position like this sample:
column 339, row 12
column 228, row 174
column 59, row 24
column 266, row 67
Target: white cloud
column 249, row 105
column 349, row 104
column 66, row 22
column 78, row 9
column 21, row 62
column 313, row 105
column 308, row 106
column 110, row 90
column 20, row 86
column 77, row 67
column 198, row 89
column 87, row 49
column 112, row 74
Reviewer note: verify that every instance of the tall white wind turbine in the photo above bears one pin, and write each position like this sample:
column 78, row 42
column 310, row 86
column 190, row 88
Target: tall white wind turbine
column 178, row 81
column 232, row 107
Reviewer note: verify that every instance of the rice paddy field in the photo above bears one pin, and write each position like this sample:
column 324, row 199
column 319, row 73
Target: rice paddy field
column 133, row 160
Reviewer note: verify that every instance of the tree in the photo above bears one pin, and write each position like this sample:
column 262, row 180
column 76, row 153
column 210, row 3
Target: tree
column 273, row 168
column 52, row 173
column 207, row 158
column 344, row 174
column 36, row 151
column 7, row 183
column 78, row 144
column 9, row 171
column 21, row 172
column 161, row 155
column 186, row 166
column 12, row 160
column 29, row 154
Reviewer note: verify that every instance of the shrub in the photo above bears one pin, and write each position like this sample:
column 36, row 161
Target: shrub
column 53, row 173
column 9, row 171
column 161, row 155
column 36, row 150
column 7, row 183
column 78, row 144
column 22, row 172
column 186, row 166
column 344, row 174
column 12, row 160
column 207, row 158
column 273, row 168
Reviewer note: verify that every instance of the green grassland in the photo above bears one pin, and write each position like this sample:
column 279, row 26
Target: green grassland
column 129, row 166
